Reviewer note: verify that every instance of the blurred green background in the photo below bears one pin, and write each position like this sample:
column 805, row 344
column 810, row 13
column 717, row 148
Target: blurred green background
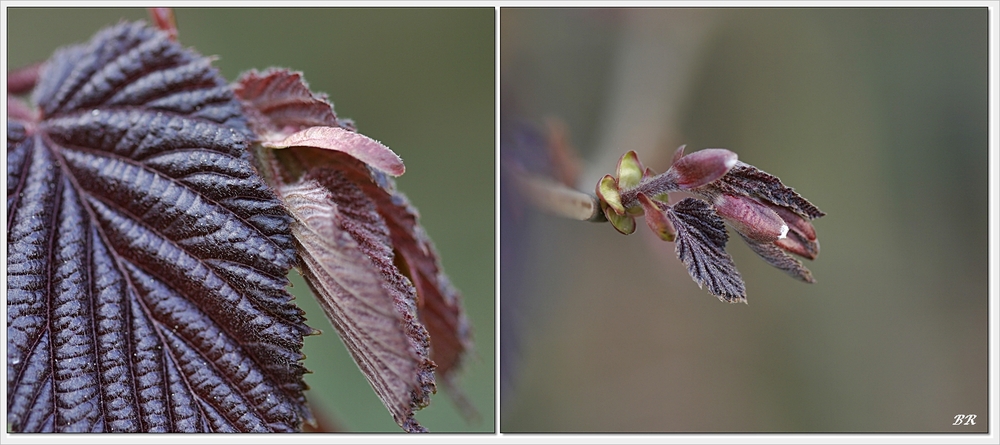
column 878, row 116
column 422, row 81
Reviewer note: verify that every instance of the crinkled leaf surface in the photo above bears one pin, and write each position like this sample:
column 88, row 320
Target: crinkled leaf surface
column 281, row 106
column 279, row 100
column 348, row 264
column 778, row 258
column 746, row 180
column 146, row 258
column 701, row 246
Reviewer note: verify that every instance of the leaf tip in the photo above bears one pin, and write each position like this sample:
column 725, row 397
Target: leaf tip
column 630, row 170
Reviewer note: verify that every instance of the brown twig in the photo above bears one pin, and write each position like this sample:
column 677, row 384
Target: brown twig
column 553, row 197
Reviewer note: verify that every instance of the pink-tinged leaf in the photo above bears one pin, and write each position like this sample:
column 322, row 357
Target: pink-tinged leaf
column 146, row 258
column 657, row 219
column 797, row 244
column 22, row 80
column 279, row 101
column 701, row 246
column 349, row 263
column 439, row 303
column 751, row 218
column 796, row 222
column 678, row 154
column 362, row 147
column 801, row 238
column 745, row 189
column 18, row 109
column 774, row 256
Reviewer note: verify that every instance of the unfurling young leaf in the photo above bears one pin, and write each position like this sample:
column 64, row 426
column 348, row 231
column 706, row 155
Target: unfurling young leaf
column 656, row 219
column 362, row 147
column 282, row 108
column 772, row 218
column 753, row 220
column 146, row 259
column 746, row 180
column 701, row 246
column 629, row 170
column 348, row 264
column 773, row 254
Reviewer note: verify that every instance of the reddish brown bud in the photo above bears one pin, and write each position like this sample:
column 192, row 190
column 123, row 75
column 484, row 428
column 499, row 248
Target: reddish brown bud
column 795, row 243
column 751, row 218
column 795, row 222
column 701, row 167
column 801, row 239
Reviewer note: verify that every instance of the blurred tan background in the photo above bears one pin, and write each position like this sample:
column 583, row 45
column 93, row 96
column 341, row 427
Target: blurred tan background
column 422, row 81
column 877, row 116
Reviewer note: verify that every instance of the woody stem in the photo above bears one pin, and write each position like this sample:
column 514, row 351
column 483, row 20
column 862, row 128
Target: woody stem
column 558, row 199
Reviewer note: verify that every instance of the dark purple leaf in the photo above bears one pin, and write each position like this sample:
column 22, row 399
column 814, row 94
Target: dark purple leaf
column 701, row 245
column 656, row 219
column 439, row 303
column 146, row 258
column 746, row 180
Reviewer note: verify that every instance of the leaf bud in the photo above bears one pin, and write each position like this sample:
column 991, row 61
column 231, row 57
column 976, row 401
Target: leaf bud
column 701, row 167
column 751, row 218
